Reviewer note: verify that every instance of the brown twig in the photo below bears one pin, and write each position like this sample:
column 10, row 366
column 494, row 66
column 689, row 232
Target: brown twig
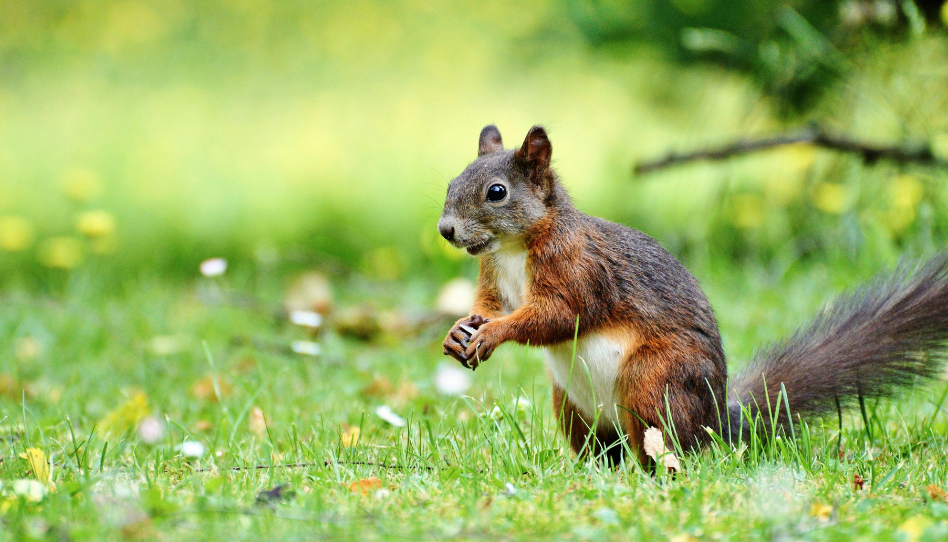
column 870, row 153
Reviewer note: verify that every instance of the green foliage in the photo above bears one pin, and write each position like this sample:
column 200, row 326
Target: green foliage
column 794, row 50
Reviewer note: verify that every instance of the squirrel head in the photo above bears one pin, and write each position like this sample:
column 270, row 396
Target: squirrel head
column 501, row 194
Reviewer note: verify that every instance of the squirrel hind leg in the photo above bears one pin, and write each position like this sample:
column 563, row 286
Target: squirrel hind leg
column 578, row 430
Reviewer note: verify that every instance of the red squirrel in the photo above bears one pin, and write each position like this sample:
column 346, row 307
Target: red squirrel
column 647, row 348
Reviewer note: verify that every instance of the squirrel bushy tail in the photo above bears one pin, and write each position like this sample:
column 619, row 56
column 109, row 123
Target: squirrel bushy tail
column 871, row 342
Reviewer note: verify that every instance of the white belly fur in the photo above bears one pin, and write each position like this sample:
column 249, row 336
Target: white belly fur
column 511, row 266
column 592, row 386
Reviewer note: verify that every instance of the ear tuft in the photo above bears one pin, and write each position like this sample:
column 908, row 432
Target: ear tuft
column 490, row 141
column 535, row 152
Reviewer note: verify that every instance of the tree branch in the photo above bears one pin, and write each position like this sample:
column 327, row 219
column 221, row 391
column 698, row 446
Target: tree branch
column 870, row 153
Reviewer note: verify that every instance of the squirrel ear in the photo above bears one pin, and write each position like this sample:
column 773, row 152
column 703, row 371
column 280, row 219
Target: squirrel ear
column 490, row 141
column 535, row 152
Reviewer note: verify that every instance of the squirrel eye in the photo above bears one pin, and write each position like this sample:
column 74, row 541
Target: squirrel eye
column 496, row 192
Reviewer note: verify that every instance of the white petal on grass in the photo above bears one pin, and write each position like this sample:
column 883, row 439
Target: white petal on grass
column 213, row 267
column 306, row 318
column 31, row 490
column 451, row 380
column 388, row 415
column 151, row 430
column 654, row 445
column 307, row 348
column 521, row 405
column 191, row 448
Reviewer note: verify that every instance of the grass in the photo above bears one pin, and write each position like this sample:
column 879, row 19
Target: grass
column 486, row 465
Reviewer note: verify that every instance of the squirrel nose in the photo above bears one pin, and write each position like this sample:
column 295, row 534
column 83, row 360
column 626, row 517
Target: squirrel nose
column 447, row 232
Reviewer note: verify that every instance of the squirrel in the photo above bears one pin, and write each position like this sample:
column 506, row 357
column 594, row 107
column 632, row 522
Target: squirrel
column 631, row 340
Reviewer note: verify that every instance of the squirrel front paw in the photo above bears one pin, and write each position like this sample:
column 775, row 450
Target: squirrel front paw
column 459, row 337
column 483, row 342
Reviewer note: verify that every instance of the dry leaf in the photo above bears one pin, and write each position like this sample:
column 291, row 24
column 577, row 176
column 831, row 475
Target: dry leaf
column 935, row 493
column 350, row 436
column 9, row 387
column 378, row 388
column 128, row 414
column 406, row 392
column 365, row 485
column 821, row 511
column 204, row 390
column 39, row 466
column 654, row 445
column 257, row 423
column 202, row 425
column 382, row 388
column 858, row 482
column 914, row 527
column 309, row 292
column 358, row 322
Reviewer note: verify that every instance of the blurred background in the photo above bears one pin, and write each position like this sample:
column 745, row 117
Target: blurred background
column 142, row 137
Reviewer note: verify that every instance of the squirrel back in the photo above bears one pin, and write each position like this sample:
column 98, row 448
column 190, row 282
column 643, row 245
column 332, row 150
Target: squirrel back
column 631, row 340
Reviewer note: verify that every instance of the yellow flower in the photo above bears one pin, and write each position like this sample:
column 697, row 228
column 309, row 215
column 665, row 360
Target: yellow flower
column 832, row 198
column 940, row 141
column 15, row 233
column 95, row 224
column 61, row 252
column 944, row 13
column 747, row 211
column 906, row 191
column 914, row 527
column 80, row 185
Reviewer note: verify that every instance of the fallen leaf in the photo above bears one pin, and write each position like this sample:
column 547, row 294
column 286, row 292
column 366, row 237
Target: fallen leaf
column 350, row 436
column 821, row 511
column 914, row 526
column 379, row 387
column 858, row 482
column 257, row 423
column 654, row 445
column 128, row 414
column 202, row 425
column 39, row 466
column 204, row 390
column 935, row 493
column 309, row 292
column 406, row 392
column 365, row 485
column 359, row 322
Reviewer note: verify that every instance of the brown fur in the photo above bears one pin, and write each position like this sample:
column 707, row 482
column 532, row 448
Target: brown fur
column 617, row 281
column 606, row 275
